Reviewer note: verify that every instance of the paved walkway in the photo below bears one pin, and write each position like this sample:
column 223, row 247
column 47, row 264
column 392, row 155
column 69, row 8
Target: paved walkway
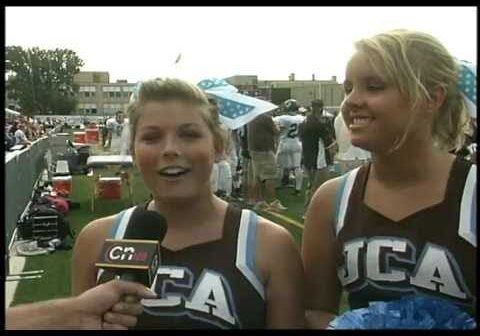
column 16, row 266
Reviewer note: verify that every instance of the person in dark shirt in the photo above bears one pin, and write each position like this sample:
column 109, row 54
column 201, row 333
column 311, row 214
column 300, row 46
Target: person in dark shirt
column 405, row 222
column 262, row 144
column 219, row 264
column 316, row 136
column 247, row 182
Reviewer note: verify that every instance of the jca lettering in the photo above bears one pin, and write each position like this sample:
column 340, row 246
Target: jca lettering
column 207, row 298
column 393, row 260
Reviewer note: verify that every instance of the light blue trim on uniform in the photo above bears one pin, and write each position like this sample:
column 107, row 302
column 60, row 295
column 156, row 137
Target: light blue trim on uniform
column 342, row 197
column 116, row 223
column 252, row 242
column 467, row 226
column 117, row 231
column 124, row 218
column 338, row 196
column 246, row 250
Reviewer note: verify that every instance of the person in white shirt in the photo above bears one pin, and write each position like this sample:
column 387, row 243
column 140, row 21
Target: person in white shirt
column 289, row 154
column 222, row 171
column 348, row 156
column 118, row 134
column 20, row 137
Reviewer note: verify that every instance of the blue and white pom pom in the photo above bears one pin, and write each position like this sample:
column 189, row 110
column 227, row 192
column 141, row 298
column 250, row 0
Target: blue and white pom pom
column 410, row 312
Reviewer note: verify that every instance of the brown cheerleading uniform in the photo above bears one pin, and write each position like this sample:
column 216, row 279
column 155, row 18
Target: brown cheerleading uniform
column 207, row 285
column 431, row 252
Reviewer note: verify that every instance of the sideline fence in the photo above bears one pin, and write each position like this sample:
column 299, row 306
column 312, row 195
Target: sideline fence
column 23, row 169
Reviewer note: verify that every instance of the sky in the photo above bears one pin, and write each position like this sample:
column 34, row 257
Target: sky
column 139, row 43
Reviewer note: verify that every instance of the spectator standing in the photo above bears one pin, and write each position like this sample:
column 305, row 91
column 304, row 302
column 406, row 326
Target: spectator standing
column 9, row 138
column 118, row 134
column 315, row 135
column 247, row 182
column 289, row 153
column 262, row 139
column 20, row 136
column 104, row 130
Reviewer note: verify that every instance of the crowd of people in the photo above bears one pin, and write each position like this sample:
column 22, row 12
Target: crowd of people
column 399, row 220
column 287, row 147
column 23, row 130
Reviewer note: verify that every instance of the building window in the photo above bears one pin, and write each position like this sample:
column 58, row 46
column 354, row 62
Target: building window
column 118, row 94
column 97, row 78
column 111, row 94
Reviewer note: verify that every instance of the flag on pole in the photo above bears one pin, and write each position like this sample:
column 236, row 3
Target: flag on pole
column 179, row 57
column 235, row 109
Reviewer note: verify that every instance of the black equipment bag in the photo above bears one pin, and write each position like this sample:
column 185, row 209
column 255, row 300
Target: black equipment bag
column 44, row 223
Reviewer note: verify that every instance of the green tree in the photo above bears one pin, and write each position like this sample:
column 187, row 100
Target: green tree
column 42, row 80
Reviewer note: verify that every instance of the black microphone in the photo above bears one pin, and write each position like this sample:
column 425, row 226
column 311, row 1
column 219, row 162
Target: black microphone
column 136, row 257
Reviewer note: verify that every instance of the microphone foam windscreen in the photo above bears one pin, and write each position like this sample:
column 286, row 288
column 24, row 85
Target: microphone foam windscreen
column 147, row 225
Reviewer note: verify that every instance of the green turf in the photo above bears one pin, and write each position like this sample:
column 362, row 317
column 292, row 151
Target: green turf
column 56, row 279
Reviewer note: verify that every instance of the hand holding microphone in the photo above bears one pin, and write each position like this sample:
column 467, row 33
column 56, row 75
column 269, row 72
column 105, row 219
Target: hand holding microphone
column 92, row 304
column 82, row 312
column 134, row 258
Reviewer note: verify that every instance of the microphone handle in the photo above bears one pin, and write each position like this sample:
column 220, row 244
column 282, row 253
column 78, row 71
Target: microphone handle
column 128, row 276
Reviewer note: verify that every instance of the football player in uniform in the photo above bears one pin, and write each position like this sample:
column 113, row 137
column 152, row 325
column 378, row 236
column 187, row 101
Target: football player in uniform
column 289, row 153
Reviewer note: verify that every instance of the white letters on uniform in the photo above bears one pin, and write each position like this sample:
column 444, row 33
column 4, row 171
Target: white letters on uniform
column 210, row 294
column 436, row 269
column 436, row 260
column 170, row 299
column 350, row 273
column 373, row 259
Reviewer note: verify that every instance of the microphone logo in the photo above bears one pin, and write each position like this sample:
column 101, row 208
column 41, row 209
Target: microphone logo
column 129, row 253
column 126, row 253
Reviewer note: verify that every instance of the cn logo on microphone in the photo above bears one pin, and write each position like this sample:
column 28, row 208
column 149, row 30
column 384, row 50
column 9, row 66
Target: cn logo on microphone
column 139, row 256
column 129, row 253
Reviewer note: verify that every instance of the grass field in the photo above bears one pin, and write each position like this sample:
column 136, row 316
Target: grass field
column 56, row 279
